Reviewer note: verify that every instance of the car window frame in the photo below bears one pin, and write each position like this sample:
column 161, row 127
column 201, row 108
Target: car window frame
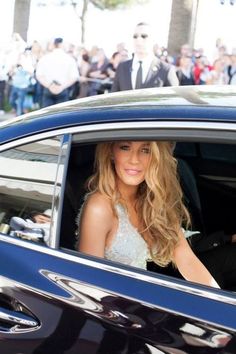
column 58, row 184
column 222, row 133
column 159, row 130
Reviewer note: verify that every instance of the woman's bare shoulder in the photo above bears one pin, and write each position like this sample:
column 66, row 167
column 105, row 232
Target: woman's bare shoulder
column 99, row 205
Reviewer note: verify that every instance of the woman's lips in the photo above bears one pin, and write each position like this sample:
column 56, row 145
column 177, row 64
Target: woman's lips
column 132, row 172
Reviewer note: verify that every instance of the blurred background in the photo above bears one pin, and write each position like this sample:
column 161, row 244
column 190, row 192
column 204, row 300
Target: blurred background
column 106, row 23
column 195, row 36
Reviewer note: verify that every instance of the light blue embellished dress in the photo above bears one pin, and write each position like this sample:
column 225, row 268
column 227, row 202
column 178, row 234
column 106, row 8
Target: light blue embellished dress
column 128, row 246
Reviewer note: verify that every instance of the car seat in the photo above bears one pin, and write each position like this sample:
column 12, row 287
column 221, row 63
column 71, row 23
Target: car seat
column 80, row 167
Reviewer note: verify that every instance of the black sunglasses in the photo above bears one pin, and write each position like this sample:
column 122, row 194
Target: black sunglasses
column 143, row 36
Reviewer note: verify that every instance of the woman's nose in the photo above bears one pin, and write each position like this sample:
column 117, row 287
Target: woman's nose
column 134, row 157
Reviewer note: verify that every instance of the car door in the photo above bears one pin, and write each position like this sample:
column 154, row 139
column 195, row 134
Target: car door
column 55, row 300
column 30, row 182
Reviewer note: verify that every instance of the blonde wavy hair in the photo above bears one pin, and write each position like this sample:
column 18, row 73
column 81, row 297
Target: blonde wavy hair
column 160, row 198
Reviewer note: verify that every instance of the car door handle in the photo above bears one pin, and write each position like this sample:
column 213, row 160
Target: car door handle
column 11, row 317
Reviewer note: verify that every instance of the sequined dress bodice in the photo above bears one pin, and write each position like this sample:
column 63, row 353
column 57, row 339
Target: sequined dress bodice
column 127, row 245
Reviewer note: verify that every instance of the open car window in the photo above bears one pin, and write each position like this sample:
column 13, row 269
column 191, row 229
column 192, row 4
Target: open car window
column 209, row 191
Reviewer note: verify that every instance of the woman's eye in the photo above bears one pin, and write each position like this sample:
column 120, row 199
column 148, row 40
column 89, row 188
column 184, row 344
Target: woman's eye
column 146, row 150
column 124, row 147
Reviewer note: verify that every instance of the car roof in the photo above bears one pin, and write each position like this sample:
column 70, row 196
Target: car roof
column 185, row 103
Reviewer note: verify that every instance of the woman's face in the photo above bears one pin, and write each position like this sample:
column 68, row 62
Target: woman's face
column 131, row 161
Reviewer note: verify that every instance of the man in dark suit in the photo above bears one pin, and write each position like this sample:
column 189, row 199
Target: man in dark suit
column 144, row 69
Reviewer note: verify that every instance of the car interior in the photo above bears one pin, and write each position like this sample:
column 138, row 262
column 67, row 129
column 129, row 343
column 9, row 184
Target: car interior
column 207, row 176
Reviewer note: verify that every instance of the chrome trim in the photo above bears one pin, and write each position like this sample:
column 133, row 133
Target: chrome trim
column 188, row 287
column 207, row 126
column 57, row 207
column 17, row 318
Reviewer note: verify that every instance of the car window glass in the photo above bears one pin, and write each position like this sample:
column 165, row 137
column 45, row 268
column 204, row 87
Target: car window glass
column 27, row 184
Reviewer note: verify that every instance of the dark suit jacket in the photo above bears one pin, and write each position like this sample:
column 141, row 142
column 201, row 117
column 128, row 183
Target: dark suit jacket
column 160, row 74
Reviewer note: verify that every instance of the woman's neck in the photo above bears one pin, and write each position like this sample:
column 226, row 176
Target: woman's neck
column 128, row 193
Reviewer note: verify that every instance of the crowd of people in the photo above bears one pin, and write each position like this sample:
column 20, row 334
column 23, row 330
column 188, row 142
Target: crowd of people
column 34, row 76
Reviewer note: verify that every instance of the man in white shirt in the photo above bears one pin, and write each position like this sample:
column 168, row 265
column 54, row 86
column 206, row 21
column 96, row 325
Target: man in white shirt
column 144, row 69
column 56, row 71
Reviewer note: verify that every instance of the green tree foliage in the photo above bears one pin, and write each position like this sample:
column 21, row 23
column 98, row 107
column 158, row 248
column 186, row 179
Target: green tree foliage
column 114, row 4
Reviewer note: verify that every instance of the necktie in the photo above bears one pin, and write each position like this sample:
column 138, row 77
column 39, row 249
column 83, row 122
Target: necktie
column 139, row 77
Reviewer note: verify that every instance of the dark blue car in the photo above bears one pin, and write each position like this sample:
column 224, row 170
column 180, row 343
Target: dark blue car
column 55, row 300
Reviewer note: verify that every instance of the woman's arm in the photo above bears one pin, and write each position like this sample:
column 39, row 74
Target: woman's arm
column 190, row 266
column 95, row 225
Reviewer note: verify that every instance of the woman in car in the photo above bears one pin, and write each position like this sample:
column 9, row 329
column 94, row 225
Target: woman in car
column 134, row 210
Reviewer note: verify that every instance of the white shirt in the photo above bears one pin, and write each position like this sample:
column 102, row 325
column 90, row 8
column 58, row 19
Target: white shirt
column 58, row 66
column 146, row 63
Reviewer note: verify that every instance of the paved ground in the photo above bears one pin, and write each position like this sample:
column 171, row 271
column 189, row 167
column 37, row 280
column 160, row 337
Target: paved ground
column 6, row 116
